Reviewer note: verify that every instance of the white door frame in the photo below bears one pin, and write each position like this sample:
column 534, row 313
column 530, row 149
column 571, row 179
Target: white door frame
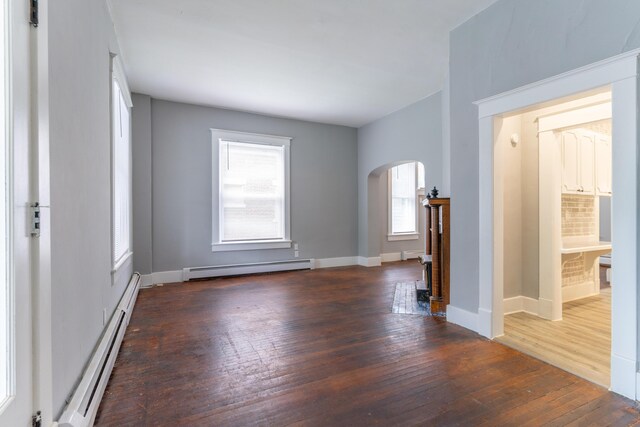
column 41, row 255
column 621, row 74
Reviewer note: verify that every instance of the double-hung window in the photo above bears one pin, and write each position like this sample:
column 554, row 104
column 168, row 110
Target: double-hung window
column 120, row 165
column 250, row 191
column 403, row 202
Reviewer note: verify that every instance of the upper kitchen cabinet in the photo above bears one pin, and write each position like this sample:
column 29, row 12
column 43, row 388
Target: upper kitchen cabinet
column 603, row 165
column 578, row 161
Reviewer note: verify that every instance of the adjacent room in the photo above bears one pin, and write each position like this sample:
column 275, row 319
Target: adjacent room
column 556, row 181
column 323, row 213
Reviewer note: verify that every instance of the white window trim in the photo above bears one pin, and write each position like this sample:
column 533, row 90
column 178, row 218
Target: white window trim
column 218, row 135
column 117, row 74
column 391, row 236
column 403, row 236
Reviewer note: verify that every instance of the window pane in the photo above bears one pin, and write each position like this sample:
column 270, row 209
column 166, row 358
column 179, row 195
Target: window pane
column 121, row 173
column 403, row 198
column 252, row 191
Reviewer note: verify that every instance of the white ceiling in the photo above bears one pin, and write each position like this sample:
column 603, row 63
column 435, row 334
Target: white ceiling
column 345, row 62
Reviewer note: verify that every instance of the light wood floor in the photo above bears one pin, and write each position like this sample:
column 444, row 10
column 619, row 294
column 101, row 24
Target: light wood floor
column 580, row 343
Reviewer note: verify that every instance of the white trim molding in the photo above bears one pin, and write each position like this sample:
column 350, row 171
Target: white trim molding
column 370, row 262
column 123, row 259
column 391, row 257
column 250, row 245
column 462, row 317
column 161, row 277
column 402, row 236
column 335, row 262
column 519, row 304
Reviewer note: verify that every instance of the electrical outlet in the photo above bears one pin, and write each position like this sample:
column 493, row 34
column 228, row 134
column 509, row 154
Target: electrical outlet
column 295, row 246
column 296, row 254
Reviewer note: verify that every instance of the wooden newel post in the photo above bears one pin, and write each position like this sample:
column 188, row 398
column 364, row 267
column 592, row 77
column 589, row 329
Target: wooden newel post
column 437, row 244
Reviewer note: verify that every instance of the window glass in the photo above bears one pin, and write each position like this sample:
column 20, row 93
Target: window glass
column 121, row 175
column 252, row 191
column 403, row 198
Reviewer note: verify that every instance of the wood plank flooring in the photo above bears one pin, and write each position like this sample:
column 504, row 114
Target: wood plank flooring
column 580, row 343
column 322, row 348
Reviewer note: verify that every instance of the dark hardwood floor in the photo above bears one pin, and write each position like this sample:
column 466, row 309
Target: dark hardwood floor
column 322, row 348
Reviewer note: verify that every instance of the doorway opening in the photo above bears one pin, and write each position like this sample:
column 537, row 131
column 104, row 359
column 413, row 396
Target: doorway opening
column 556, row 184
column 619, row 76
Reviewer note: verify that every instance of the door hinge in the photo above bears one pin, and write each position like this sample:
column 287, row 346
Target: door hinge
column 35, row 219
column 34, row 21
column 36, row 420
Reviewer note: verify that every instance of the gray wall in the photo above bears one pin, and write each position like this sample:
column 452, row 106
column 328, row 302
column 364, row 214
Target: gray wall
column 80, row 39
column 141, row 152
column 510, row 44
column 324, row 194
column 512, row 181
column 605, row 219
column 411, row 134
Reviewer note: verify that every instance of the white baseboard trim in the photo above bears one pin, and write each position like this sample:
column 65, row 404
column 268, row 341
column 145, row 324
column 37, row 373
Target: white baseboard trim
column 370, row 262
column 335, row 262
column 519, row 304
column 161, row 277
column 462, row 317
column 583, row 290
column 624, row 376
column 391, row 257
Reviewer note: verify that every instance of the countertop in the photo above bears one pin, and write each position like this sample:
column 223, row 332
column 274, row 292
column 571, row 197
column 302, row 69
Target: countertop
column 586, row 246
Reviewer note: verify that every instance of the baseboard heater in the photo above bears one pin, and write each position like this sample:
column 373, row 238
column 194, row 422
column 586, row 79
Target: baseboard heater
column 238, row 269
column 83, row 406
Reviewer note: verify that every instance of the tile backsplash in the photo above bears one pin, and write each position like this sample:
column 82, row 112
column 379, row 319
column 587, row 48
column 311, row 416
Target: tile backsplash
column 578, row 215
column 575, row 271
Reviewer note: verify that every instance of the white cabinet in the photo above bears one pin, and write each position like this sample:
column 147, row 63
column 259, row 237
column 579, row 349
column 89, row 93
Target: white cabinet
column 578, row 161
column 603, row 165
column 587, row 163
column 570, row 162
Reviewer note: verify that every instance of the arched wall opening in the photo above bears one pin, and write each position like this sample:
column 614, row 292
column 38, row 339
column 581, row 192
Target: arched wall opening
column 382, row 242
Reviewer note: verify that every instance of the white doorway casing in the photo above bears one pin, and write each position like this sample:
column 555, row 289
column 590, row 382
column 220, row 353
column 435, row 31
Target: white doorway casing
column 621, row 74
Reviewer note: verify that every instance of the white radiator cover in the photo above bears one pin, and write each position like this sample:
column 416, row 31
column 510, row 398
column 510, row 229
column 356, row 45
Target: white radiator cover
column 237, row 269
column 83, row 407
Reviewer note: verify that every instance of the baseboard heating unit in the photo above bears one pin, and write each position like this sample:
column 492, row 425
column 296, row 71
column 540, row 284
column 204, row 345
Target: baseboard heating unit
column 238, row 269
column 412, row 254
column 83, row 406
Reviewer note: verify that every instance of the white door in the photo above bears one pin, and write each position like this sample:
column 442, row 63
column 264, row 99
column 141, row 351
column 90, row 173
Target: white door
column 16, row 333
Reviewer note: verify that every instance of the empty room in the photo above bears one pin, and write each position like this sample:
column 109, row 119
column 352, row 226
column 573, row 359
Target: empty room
column 323, row 213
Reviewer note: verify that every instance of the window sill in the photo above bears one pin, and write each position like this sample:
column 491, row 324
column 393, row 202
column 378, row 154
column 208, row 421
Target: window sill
column 407, row 236
column 123, row 259
column 250, row 245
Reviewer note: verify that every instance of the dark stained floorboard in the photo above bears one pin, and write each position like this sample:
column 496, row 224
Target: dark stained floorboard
column 322, row 348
